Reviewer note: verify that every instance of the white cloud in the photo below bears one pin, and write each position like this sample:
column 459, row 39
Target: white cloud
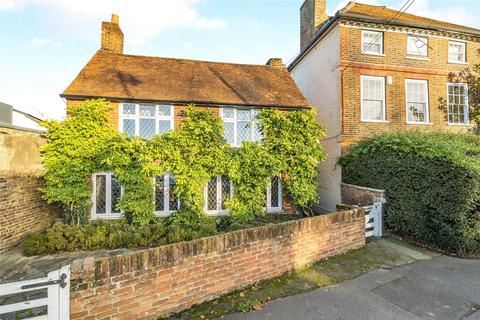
column 38, row 42
column 140, row 20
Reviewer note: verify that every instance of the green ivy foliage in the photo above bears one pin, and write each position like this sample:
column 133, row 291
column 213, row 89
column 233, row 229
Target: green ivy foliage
column 70, row 156
column 194, row 153
column 432, row 182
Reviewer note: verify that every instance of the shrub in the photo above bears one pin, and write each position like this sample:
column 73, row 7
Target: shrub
column 432, row 182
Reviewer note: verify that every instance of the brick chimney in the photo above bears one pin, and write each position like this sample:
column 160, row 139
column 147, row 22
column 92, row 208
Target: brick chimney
column 112, row 35
column 312, row 14
column 275, row 62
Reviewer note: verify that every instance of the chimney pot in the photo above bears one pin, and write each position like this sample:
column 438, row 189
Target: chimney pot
column 275, row 62
column 114, row 19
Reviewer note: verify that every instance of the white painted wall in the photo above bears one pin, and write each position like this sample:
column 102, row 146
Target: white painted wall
column 318, row 77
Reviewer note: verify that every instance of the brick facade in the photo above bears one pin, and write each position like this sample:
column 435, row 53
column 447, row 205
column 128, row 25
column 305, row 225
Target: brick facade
column 159, row 281
column 22, row 209
column 395, row 63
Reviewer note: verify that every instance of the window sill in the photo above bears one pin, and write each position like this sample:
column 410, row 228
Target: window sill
column 106, row 217
column 457, row 62
column 460, row 124
column 275, row 210
column 220, row 213
column 374, row 54
column 164, row 214
column 420, row 123
column 417, row 58
column 375, row 121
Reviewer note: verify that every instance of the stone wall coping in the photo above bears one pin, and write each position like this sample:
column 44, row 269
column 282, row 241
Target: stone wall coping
column 9, row 126
column 361, row 187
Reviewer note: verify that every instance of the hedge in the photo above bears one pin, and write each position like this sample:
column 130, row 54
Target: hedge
column 432, row 183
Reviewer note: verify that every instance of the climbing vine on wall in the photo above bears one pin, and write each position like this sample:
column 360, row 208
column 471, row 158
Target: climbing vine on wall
column 84, row 143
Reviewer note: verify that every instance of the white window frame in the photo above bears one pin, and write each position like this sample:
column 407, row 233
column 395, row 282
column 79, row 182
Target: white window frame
column 368, row 51
column 464, row 56
column 427, row 101
column 166, row 198
column 467, row 105
column 137, row 117
column 108, row 215
column 234, row 120
column 218, row 211
column 270, row 208
column 414, row 51
column 362, row 117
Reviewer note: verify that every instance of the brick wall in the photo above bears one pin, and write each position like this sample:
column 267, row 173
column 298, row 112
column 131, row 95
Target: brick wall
column 22, row 209
column 361, row 196
column 397, row 64
column 155, row 282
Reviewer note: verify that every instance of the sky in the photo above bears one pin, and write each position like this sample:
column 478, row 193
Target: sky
column 45, row 43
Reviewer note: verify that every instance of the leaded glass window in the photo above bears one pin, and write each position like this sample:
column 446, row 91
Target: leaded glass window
column 217, row 191
column 274, row 195
column 106, row 195
column 145, row 120
column 166, row 201
column 241, row 125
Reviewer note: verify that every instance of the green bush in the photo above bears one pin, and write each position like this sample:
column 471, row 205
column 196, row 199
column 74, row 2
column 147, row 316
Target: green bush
column 184, row 225
column 432, row 183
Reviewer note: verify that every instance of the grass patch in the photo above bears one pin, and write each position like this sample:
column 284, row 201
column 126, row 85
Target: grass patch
column 324, row 273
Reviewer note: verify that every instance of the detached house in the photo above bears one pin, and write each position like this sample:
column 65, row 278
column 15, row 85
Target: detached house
column 149, row 95
column 371, row 69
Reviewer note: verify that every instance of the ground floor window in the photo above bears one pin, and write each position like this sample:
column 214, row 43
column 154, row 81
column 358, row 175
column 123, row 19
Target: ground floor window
column 457, row 103
column 274, row 195
column 165, row 200
column 217, row 191
column 106, row 194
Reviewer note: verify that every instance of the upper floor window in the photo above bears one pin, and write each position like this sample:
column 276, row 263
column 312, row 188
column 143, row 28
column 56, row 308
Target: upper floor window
column 417, row 101
column 372, row 42
column 417, row 46
column 372, row 98
column 145, row 120
column 457, row 102
column 241, row 125
column 217, row 191
column 165, row 200
column 106, row 194
column 456, row 52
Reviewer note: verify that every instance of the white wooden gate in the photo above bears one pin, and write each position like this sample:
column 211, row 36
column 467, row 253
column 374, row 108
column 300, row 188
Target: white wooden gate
column 57, row 300
column 373, row 220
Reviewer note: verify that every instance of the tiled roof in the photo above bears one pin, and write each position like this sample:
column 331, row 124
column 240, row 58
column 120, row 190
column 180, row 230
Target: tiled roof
column 128, row 77
column 384, row 13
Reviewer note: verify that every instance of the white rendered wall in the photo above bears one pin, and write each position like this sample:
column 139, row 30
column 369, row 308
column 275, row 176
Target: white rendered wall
column 318, row 77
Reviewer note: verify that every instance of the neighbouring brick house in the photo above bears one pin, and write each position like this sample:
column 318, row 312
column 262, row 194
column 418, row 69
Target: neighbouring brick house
column 149, row 95
column 371, row 69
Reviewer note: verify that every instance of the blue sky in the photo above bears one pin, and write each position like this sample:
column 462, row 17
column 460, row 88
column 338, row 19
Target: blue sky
column 45, row 43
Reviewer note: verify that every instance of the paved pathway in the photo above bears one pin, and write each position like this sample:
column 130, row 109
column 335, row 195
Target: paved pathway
column 439, row 288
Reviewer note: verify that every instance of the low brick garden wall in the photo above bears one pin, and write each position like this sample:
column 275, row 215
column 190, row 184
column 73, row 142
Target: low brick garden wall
column 22, row 209
column 145, row 284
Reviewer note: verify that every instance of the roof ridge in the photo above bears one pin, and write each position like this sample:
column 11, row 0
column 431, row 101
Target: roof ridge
column 406, row 13
column 187, row 59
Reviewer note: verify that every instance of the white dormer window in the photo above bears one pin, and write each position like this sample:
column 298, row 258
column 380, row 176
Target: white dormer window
column 417, row 46
column 240, row 125
column 372, row 42
column 456, row 52
column 145, row 120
